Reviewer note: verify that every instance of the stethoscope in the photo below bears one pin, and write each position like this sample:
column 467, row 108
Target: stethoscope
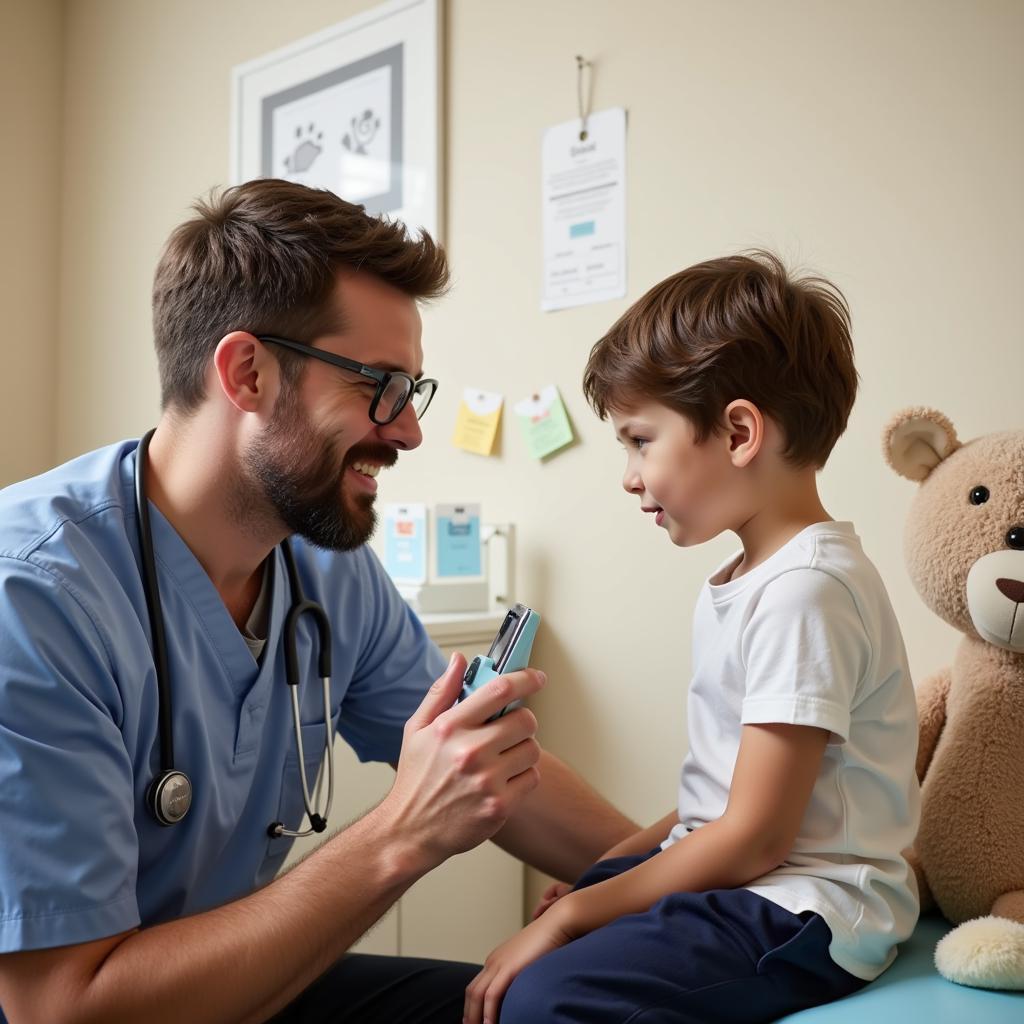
column 169, row 795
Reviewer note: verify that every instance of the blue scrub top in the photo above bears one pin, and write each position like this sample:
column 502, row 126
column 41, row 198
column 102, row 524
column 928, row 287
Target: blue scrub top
column 80, row 855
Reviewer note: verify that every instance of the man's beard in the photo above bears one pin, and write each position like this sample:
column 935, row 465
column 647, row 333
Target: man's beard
column 301, row 477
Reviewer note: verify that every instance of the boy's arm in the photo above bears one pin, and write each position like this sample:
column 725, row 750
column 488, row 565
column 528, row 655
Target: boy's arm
column 636, row 842
column 775, row 772
column 645, row 839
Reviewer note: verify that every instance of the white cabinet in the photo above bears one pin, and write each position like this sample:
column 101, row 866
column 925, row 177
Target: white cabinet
column 474, row 901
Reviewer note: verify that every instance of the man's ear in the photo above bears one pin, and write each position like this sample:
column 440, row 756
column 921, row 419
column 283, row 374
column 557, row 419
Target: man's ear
column 744, row 430
column 916, row 440
column 248, row 376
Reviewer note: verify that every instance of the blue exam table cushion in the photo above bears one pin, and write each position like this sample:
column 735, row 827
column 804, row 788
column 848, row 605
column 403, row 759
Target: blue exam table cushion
column 912, row 990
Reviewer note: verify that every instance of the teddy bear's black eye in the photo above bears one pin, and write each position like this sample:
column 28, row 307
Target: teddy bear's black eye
column 979, row 495
column 1015, row 538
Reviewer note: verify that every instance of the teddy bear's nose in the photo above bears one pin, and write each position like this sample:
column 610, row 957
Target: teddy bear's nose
column 1013, row 589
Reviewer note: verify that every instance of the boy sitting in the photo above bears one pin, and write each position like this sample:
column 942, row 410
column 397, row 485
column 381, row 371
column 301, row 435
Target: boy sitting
column 778, row 882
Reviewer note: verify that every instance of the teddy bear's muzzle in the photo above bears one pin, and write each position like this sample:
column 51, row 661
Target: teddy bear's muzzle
column 995, row 598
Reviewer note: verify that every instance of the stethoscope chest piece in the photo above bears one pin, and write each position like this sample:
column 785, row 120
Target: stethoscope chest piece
column 170, row 797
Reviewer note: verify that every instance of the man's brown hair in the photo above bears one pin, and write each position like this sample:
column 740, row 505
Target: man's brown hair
column 736, row 327
column 263, row 257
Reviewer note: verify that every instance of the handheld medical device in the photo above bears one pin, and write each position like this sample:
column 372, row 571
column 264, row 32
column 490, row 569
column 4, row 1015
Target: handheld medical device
column 509, row 651
column 169, row 795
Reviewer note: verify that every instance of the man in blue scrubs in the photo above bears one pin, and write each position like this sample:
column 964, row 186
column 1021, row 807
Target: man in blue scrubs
column 108, row 915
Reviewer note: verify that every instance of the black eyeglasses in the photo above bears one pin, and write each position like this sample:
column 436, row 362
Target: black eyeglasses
column 394, row 388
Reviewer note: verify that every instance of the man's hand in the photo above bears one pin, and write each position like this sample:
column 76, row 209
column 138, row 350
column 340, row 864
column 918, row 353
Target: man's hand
column 460, row 776
column 457, row 780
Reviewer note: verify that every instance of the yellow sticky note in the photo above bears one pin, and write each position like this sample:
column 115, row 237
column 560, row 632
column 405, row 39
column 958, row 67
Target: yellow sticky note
column 477, row 422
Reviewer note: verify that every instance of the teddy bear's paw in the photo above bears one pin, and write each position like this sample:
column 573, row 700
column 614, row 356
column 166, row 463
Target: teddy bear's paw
column 987, row 952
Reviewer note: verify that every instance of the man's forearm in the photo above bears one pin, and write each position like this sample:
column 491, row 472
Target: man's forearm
column 246, row 960
column 456, row 785
column 564, row 825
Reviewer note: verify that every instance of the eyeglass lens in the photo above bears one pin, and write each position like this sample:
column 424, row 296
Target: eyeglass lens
column 397, row 393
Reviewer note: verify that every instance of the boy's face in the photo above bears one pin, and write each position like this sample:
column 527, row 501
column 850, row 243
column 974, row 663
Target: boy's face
column 686, row 486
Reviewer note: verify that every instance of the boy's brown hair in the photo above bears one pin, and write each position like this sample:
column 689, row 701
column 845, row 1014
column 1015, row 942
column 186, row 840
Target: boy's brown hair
column 736, row 327
column 263, row 257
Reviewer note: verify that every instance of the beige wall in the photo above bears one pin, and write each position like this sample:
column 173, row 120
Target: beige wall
column 30, row 84
column 879, row 143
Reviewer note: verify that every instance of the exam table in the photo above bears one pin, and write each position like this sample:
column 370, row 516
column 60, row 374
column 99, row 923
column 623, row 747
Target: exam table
column 912, row 991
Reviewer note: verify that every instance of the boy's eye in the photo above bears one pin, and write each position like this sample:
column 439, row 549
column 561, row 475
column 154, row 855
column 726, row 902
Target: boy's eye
column 638, row 442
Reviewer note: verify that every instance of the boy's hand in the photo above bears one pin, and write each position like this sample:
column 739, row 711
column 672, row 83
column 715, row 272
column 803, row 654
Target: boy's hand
column 486, row 991
column 552, row 894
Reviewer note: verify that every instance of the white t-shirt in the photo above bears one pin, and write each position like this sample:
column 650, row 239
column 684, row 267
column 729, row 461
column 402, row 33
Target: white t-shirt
column 808, row 637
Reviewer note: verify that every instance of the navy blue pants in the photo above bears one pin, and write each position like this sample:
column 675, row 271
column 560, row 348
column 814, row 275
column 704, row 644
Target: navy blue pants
column 693, row 958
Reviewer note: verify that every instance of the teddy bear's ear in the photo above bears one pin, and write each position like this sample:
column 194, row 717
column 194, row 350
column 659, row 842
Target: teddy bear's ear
column 917, row 440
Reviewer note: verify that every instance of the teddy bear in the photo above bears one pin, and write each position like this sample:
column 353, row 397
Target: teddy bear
column 964, row 548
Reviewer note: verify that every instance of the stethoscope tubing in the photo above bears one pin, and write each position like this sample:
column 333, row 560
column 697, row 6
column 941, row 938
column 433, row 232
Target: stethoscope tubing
column 171, row 783
column 154, row 607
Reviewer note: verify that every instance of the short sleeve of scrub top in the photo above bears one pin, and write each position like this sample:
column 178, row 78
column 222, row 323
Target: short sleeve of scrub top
column 69, row 850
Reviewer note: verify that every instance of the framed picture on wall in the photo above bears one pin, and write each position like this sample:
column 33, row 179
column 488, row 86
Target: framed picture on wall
column 354, row 109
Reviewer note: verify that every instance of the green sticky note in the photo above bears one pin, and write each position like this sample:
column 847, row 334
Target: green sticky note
column 544, row 423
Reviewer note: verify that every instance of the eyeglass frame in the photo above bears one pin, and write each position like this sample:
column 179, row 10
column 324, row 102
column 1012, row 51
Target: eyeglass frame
column 382, row 377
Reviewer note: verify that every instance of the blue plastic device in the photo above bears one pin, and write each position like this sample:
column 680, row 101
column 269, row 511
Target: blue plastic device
column 510, row 651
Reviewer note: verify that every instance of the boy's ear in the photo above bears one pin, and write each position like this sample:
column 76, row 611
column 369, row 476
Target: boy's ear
column 916, row 440
column 744, row 426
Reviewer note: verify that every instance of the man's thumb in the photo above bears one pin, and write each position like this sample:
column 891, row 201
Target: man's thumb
column 443, row 694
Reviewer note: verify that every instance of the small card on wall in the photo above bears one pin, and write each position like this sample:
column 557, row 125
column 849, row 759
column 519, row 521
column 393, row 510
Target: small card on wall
column 457, row 541
column 544, row 423
column 477, row 422
column 405, row 542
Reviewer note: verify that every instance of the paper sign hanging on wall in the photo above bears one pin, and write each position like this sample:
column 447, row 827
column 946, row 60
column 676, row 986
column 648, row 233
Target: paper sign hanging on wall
column 477, row 422
column 544, row 423
column 584, row 211
column 405, row 542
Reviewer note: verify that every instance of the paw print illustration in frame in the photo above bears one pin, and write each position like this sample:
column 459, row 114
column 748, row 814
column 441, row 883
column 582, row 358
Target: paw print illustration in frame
column 308, row 146
column 363, row 131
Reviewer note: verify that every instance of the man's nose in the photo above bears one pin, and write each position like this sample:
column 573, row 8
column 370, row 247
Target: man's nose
column 403, row 431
